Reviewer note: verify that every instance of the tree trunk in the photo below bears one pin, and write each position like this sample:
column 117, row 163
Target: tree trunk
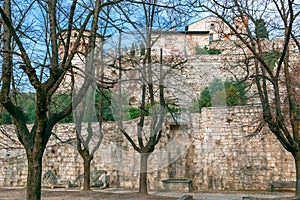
column 297, row 164
column 34, row 176
column 87, row 171
column 143, row 173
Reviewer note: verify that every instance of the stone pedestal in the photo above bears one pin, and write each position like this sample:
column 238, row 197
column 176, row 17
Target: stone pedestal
column 177, row 184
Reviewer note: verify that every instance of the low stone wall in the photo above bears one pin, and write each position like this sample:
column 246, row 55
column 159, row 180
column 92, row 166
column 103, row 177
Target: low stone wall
column 213, row 149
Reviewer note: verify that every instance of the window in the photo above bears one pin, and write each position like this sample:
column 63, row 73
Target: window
column 211, row 37
column 169, row 41
column 212, row 26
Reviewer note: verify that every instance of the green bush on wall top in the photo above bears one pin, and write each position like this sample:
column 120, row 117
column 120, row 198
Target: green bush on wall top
column 207, row 51
column 217, row 91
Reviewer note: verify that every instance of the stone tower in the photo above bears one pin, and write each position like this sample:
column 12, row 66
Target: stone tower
column 79, row 59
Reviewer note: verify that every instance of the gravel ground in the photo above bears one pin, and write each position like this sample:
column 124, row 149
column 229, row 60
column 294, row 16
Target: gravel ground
column 112, row 194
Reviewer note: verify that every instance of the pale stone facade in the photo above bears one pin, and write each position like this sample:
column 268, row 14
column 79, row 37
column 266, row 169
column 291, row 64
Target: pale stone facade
column 200, row 34
column 217, row 30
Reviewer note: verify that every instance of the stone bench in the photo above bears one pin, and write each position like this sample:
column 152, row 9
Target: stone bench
column 177, row 184
column 282, row 185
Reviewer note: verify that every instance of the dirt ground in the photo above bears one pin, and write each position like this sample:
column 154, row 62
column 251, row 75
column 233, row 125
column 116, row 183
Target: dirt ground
column 76, row 194
column 60, row 194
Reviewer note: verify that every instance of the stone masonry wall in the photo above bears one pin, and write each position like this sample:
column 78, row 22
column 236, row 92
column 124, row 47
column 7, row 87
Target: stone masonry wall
column 229, row 158
column 214, row 149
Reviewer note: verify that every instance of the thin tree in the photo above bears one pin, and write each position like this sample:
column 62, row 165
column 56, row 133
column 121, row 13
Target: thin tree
column 89, row 114
column 140, row 19
column 89, row 138
column 275, row 81
column 85, row 112
column 45, row 76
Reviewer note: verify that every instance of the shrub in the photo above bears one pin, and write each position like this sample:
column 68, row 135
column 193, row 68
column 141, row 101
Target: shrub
column 271, row 58
column 217, row 91
column 206, row 51
column 214, row 51
column 106, row 112
column 201, row 51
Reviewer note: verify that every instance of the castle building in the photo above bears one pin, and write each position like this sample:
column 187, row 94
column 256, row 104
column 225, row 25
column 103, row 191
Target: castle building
column 197, row 34
column 219, row 153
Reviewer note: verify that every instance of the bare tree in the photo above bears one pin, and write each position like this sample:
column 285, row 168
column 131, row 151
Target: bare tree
column 39, row 60
column 85, row 110
column 140, row 20
column 271, row 62
column 89, row 138
column 88, row 120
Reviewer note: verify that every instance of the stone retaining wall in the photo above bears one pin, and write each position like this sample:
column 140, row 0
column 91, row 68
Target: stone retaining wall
column 213, row 149
column 231, row 159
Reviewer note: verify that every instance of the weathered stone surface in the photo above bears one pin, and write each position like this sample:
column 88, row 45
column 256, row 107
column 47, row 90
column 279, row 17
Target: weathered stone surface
column 177, row 184
column 219, row 154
